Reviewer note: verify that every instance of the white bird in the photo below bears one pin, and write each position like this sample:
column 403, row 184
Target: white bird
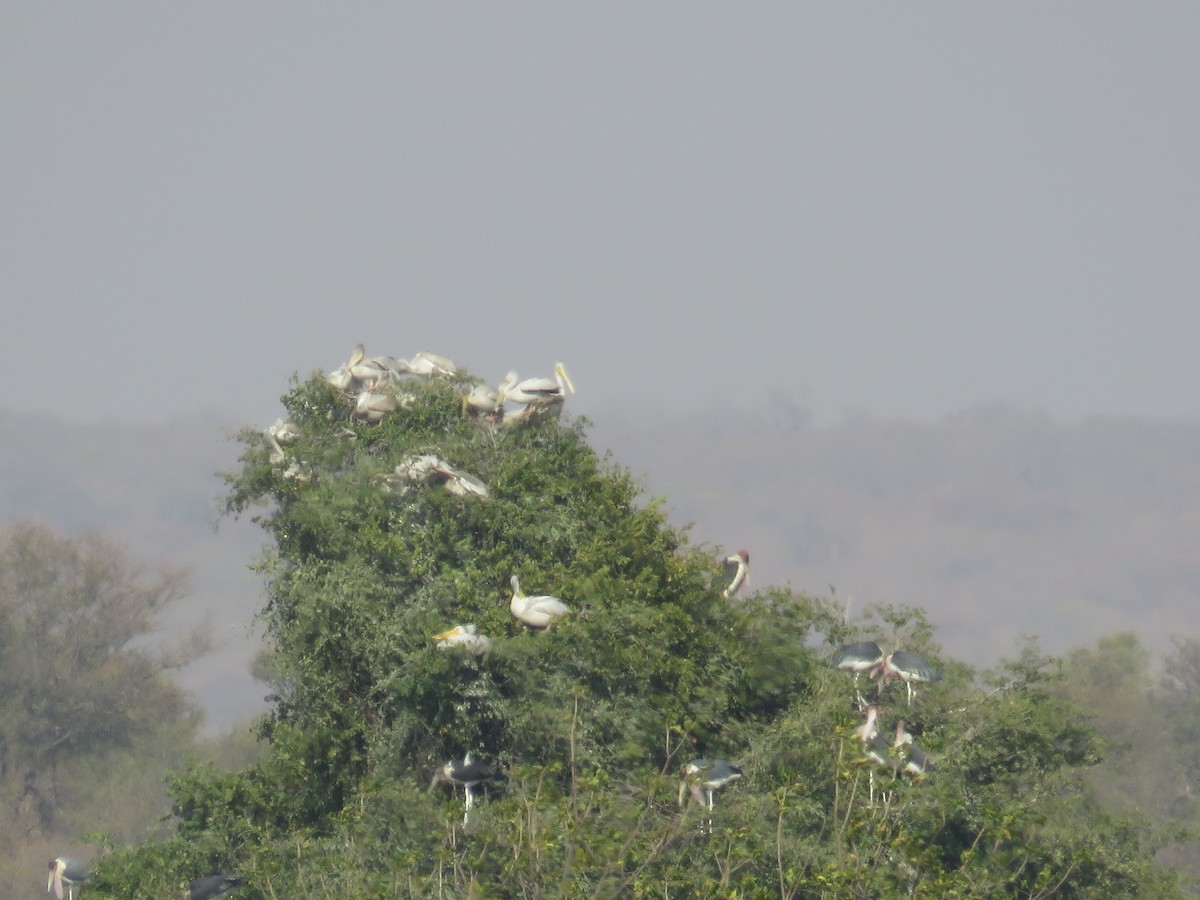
column 737, row 567
column 482, row 400
column 376, row 401
column 373, row 369
column 427, row 365
column 283, row 432
column 431, row 470
column 536, row 390
column 341, row 378
column 465, row 636
column 539, row 611
column 65, row 871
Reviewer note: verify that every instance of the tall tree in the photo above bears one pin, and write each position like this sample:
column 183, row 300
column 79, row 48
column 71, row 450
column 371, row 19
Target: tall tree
column 387, row 534
column 87, row 710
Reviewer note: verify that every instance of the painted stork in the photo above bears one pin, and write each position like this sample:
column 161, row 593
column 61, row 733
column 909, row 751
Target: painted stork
column 375, row 401
column 465, row 636
column 468, row 772
column 737, row 567
column 65, row 871
column 908, row 667
column 212, row 886
column 538, row 611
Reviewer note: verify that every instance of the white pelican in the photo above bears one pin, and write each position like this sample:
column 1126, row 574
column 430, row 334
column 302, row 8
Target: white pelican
column 432, row 470
column 374, row 369
column 468, row 773
column 466, row 636
column 483, row 400
column 375, row 402
column 341, row 378
column 539, row 611
column 65, row 871
column 427, row 365
column 536, row 390
column 283, row 432
column 737, row 567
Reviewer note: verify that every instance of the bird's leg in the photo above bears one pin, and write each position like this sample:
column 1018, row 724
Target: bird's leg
column 908, row 684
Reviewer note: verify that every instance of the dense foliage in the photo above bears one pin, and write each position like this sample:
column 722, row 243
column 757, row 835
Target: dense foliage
column 588, row 724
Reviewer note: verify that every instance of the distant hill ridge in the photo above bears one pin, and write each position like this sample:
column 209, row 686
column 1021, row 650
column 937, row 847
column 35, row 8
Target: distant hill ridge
column 999, row 523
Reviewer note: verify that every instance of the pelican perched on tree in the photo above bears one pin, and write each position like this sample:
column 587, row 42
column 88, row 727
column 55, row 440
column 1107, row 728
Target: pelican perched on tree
column 376, row 401
column 467, row 772
column 482, row 400
column 283, row 432
column 536, row 390
column 465, row 636
column 432, row 470
column 212, row 886
column 737, row 567
column 427, row 365
column 65, row 871
column 539, row 611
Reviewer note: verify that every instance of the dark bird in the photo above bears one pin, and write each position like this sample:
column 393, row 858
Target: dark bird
column 864, row 656
column 737, row 567
column 915, row 761
column 709, row 774
column 211, row 886
column 908, row 667
column 68, row 872
column 467, row 772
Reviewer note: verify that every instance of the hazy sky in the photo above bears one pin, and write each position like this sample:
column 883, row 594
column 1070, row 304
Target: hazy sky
column 904, row 209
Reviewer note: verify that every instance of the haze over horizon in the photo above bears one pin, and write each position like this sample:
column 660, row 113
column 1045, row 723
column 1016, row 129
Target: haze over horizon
column 726, row 217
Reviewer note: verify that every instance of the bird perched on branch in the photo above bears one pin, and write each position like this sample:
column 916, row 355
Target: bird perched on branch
column 468, row 772
column 65, row 871
column 737, row 567
column 538, row 611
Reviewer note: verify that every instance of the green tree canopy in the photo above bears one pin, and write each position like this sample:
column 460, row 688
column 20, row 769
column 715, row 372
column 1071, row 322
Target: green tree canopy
column 376, row 549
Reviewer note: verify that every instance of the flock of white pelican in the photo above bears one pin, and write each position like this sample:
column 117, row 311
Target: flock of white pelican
column 377, row 386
